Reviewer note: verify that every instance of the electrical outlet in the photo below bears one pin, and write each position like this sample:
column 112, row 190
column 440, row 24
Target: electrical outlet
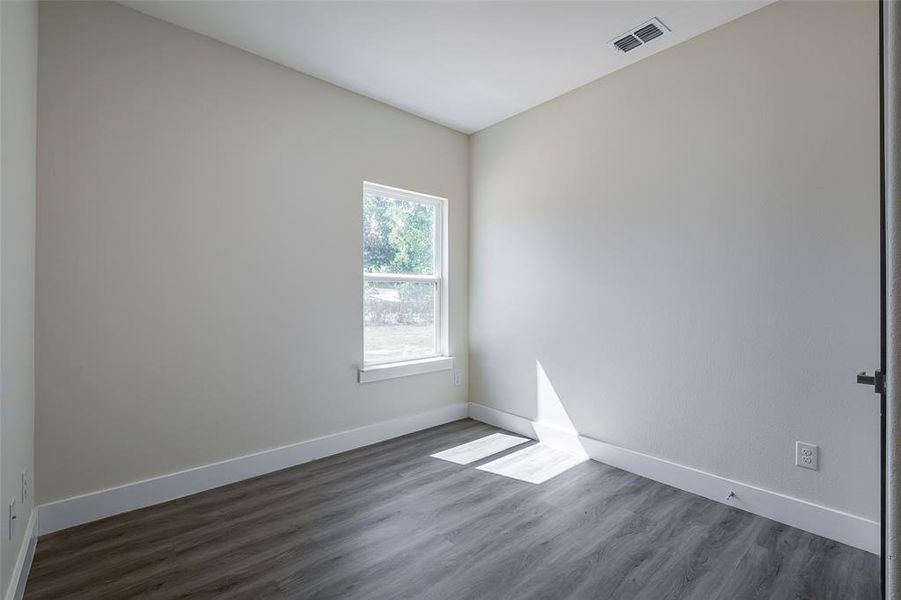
column 807, row 456
column 24, row 485
column 11, row 518
column 458, row 378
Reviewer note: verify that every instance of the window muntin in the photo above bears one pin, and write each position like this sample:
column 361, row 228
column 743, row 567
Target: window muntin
column 402, row 274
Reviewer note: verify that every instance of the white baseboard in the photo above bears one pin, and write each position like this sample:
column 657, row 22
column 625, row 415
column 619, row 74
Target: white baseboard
column 504, row 420
column 549, row 434
column 834, row 524
column 19, row 577
column 827, row 522
column 70, row 512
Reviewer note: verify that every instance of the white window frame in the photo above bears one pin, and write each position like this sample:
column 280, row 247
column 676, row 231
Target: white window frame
column 439, row 359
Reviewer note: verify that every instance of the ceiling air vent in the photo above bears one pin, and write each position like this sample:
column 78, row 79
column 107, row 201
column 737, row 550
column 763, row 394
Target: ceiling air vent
column 640, row 35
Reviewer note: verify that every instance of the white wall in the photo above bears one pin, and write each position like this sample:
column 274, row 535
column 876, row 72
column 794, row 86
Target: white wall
column 199, row 288
column 689, row 247
column 18, row 90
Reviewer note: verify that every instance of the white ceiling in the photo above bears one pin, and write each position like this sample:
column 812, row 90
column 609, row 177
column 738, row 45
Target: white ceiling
column 466, row 65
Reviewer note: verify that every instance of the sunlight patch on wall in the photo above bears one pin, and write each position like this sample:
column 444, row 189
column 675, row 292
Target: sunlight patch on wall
column 550, row 409
column 553, row 426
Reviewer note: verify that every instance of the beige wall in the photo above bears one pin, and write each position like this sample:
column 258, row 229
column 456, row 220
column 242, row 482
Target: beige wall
column 689, row 247
column 18, row 90
column 199, row 250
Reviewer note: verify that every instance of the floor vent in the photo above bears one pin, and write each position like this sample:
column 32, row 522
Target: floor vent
column 640, row 35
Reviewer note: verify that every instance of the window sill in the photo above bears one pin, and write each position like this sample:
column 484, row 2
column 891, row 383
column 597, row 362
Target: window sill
column 405, row 369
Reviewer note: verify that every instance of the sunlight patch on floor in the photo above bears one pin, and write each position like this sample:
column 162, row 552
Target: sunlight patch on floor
column 535, row 464
column 480, row 448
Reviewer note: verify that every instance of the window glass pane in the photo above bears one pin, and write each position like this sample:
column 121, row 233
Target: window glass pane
column 398, row 236
column 399, row 321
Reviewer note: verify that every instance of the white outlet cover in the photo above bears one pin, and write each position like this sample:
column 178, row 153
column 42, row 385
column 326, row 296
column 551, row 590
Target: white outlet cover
column 807, row 456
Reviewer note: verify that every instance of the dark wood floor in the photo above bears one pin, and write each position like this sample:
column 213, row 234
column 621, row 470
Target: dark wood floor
column 388, row 521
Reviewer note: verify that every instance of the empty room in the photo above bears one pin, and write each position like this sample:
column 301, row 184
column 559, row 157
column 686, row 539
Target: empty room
column 382, row 299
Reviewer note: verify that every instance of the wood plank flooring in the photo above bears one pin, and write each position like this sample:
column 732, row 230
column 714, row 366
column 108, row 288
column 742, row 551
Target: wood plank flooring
column 390, row 521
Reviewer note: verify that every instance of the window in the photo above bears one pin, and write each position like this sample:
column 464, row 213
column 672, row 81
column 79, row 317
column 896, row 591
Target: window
column 403, row 275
